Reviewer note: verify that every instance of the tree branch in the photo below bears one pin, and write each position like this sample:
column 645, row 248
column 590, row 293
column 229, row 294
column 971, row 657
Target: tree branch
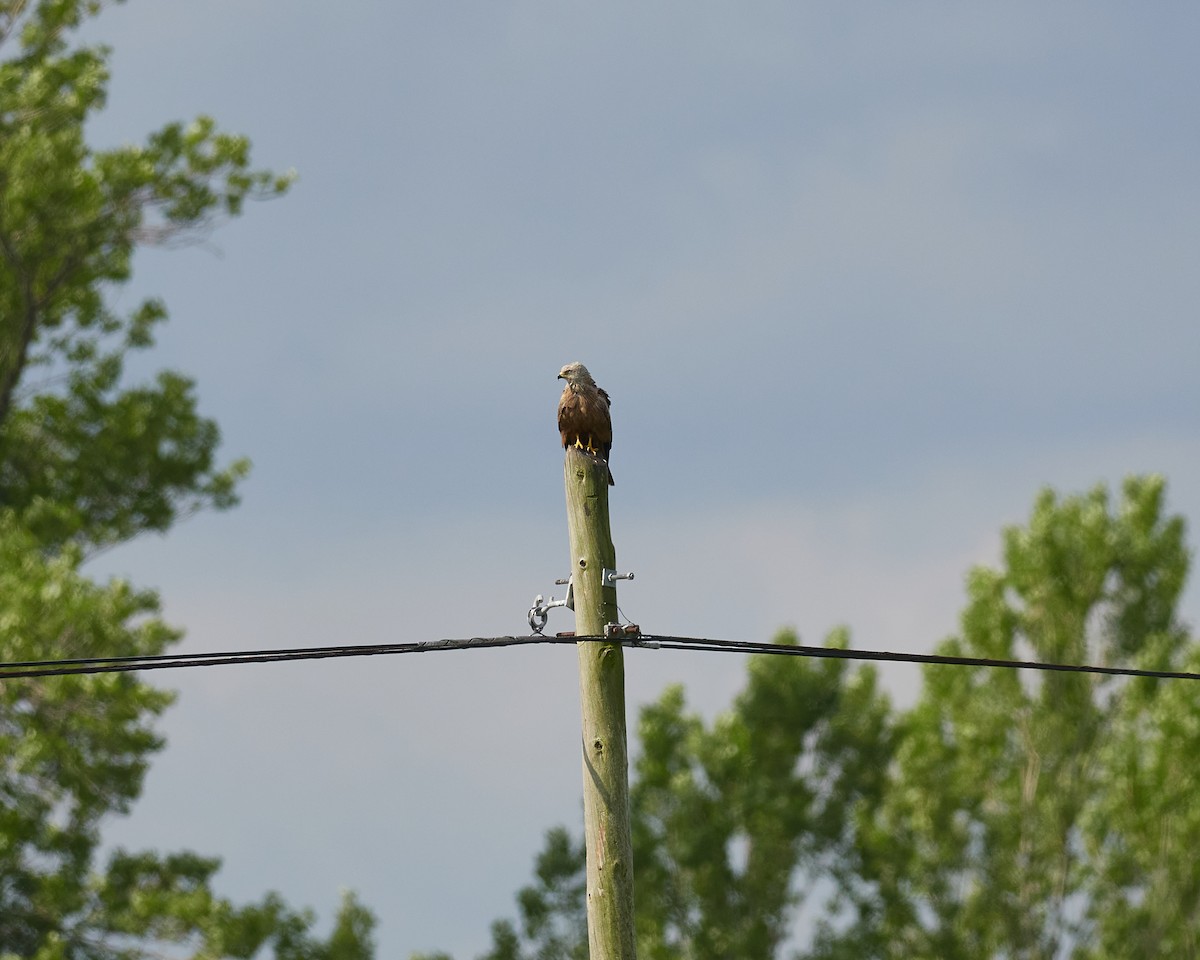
column 11, row 368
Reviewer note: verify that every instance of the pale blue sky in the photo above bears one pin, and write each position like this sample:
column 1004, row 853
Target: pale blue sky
column 860, row 278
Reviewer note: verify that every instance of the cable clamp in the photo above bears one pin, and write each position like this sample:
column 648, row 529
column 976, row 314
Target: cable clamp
column 629, row 634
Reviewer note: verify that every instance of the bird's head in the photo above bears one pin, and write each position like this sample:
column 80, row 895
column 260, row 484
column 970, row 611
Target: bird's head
column 575, row 373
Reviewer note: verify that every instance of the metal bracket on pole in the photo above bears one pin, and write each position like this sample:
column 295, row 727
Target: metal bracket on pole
column 539, row 612
column 610, row 577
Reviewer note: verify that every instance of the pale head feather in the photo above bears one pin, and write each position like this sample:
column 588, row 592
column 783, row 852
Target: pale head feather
column 575, row 373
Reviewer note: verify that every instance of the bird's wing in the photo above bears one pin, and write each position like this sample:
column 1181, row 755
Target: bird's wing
column 568, row 416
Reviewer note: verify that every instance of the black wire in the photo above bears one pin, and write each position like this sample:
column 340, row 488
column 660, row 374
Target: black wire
column 89, row 665
column 836, row 653
column 92, row 665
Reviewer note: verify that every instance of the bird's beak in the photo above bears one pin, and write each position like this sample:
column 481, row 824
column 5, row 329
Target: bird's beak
column 559, row 377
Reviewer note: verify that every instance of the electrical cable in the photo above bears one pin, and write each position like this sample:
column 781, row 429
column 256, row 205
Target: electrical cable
column 89, row 665
column 93, row 665
column 838, row 653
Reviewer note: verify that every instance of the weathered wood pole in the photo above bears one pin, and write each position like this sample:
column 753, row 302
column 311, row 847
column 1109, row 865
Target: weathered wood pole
column 602, row 699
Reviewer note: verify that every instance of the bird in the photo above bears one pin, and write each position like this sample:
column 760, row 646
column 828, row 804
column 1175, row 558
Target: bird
column 583, row 417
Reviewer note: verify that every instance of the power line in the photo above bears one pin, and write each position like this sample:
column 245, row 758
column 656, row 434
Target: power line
column 836, row 653
column 86, row 665
column 92, row 665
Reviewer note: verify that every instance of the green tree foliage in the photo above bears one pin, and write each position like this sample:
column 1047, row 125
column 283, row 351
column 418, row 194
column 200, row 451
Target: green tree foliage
column 727, row 815
column 1052, row 815
column 88, row 461
column 1006, row 815
column 83, row 456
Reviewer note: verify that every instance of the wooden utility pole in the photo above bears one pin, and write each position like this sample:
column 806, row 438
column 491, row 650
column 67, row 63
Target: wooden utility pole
column 602, row 697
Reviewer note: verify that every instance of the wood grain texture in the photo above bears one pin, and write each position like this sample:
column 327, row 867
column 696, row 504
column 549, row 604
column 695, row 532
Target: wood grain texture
column 602, row 701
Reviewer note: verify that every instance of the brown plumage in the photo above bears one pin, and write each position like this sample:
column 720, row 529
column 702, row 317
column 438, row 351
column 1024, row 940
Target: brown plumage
column 583, row 417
